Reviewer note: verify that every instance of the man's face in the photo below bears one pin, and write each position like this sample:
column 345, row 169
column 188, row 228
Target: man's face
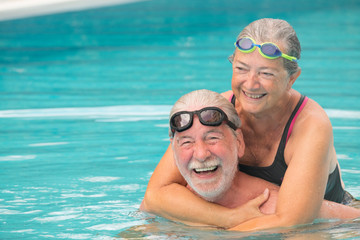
column 207, row 158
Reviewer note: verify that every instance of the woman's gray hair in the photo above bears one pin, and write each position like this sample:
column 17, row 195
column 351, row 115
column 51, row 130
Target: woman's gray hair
column 199, row 99
column 276, row 31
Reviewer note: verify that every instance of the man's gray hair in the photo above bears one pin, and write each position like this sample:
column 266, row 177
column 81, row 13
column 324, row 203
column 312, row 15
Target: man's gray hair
column 276, row 31
column 199, row 99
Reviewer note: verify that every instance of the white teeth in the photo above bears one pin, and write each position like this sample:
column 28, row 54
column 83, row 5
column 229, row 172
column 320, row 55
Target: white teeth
column 254, row 95
column 205, row 169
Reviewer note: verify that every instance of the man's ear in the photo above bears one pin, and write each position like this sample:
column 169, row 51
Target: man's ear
column 240, row 143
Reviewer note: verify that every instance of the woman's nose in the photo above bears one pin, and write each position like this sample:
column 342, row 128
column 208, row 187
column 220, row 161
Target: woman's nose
column 252, row 80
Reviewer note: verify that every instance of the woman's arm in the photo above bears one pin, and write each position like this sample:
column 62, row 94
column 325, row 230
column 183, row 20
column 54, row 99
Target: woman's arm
column 338, row 211
column 310, row 153
column 167, row 196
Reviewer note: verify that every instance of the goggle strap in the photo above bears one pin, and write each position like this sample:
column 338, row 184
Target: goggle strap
column 294, row 59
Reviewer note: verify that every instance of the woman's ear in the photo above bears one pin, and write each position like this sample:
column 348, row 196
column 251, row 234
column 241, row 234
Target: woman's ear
column 293, row 78
column 240, row 143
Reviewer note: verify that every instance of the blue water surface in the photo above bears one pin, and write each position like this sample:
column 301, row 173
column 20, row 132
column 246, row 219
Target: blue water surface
column 85, row 96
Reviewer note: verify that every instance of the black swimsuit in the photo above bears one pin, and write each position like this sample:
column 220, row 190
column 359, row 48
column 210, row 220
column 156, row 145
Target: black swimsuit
column 275, row 173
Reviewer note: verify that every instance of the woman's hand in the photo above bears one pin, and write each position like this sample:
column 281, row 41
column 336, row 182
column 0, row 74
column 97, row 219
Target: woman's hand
column 247, row 211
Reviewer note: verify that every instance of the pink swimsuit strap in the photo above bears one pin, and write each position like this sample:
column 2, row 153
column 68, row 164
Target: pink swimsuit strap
column 296, row 115
column 231, row 97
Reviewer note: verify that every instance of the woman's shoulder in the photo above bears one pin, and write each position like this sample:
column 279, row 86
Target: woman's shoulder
column 311, row 130
column 313, row 117
column 314, row 111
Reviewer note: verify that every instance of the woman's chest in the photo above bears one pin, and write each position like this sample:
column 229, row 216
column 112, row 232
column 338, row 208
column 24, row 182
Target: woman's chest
column 260, row 151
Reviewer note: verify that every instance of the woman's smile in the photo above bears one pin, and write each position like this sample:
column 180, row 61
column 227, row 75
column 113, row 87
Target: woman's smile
column 253, row 96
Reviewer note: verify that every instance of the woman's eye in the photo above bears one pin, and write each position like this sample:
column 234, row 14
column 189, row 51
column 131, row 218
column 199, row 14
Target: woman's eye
column 241, row 69
column 267, row 74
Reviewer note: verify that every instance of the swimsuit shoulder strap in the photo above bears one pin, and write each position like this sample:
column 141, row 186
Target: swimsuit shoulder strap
column 288, row 129
column 299, row 107
column 232, row 99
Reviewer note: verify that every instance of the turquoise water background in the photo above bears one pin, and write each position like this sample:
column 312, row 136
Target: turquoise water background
column 85, row 96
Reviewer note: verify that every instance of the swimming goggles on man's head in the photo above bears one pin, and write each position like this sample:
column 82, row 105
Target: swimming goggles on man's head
column 209, row 116
column 268, row 50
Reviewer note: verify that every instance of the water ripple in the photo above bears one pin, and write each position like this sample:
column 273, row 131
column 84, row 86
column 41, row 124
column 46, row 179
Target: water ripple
column 99, row 179
column 17, row 157
column 116, row 226
column 89, row 112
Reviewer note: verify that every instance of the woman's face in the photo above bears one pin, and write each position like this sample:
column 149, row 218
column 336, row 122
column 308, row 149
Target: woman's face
column 259, row 83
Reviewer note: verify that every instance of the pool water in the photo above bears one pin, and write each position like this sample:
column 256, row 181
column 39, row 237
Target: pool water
column 85, row 96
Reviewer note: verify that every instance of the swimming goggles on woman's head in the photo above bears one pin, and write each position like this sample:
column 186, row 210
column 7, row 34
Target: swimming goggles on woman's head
column 209, row 116
column 268, row 50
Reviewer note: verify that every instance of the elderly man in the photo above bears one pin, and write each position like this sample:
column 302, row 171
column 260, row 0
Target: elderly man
column 207, row 141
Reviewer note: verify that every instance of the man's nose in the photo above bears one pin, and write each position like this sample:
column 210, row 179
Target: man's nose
column 201, row 151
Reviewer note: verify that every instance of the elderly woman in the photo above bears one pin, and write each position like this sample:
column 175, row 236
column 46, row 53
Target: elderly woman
column 288, row 139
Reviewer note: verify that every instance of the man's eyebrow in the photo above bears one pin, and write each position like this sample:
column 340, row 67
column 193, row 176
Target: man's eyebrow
column 183, row 137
